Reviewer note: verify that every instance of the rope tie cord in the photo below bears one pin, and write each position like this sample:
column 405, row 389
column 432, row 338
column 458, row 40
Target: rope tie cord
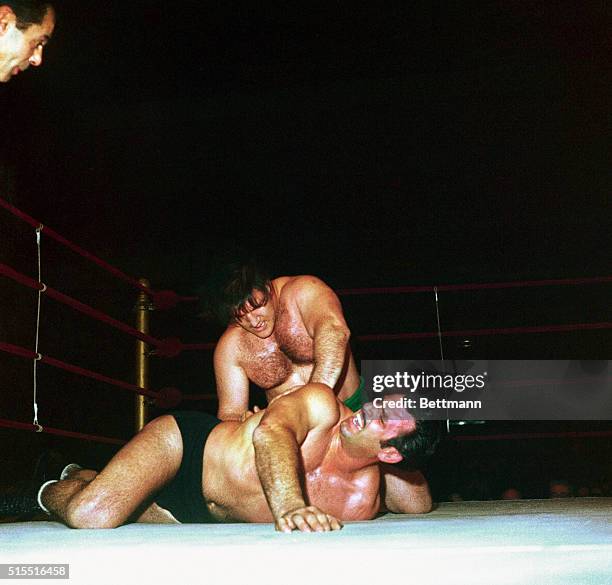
column 441, row 347
column 438, row 322
column 38, row 356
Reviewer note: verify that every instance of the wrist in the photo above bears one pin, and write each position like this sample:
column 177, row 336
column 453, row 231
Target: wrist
column 287, row 508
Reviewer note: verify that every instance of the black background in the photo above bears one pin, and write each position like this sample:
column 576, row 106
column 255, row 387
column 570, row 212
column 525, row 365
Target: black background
column 371, row 144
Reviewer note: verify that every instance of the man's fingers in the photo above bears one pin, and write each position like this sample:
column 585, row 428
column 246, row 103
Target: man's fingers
column 301, row 523
column 247, row 413
column 284, row 525
column 322, row 521
column 309, row 519
column 334, row 522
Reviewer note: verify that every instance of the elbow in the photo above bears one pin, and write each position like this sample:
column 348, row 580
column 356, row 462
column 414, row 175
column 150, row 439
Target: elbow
column 266, row 435
column 336, row 329
column 261, row 436
column 423, row 505
column 344, row 334
column 337, row 334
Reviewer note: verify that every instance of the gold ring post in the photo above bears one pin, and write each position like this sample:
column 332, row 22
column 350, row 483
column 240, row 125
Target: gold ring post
column 143, row 309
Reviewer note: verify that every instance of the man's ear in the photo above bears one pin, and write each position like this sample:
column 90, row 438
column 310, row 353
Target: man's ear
column 7, row 17
column 389, row 455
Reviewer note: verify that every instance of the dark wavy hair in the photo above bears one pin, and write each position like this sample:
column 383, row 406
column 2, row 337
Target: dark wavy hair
column 228, row 290
column 418, row 447
column 28, row 12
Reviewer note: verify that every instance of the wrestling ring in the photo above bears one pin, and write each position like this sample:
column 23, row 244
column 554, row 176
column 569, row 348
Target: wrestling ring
column 536, row 541
column 552, row 542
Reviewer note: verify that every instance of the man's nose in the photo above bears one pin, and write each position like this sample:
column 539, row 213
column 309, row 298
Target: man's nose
column 252, row 319
column 36, row 58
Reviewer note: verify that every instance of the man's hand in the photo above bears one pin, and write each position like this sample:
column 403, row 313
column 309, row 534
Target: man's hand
column 307, row 519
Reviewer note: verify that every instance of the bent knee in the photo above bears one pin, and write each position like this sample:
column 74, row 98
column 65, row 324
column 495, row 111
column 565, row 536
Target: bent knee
column 425, row 508
column 88, row 514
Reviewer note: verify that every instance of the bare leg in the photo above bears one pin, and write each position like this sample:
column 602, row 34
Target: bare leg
column 108, row 499
column 155, row 514
column 57, row 496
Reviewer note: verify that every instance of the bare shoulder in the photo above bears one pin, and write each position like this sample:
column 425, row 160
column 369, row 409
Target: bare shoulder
column 321, row 403
column 305, row 286
column 229, row 343
column 313, row 407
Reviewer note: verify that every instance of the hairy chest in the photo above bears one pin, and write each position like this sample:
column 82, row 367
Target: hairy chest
column 272, row 361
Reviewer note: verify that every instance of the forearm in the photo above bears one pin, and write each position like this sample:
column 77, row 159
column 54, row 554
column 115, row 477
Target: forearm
column 233, row 397
column 232, row 382
column 330, row 346
column 278, row 466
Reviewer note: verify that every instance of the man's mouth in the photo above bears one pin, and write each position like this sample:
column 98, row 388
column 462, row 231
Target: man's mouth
column 16, row 71
column 358, row 420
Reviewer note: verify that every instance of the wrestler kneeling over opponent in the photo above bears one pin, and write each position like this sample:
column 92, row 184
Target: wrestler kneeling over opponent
column 305, row 463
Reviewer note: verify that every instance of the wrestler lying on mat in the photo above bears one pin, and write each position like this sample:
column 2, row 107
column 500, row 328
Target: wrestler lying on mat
column 305, row 463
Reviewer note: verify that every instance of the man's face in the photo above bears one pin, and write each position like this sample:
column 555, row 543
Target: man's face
column 20, row 49
column 259, row 320
column 370, row 426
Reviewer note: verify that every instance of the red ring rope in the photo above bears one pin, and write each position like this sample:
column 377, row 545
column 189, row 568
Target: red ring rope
column 165, row 296
column 26, row 353
column 477, row 332
column 474, row 286
column 460, row 333
column 10, row 424
column 168, row 298
column 517, row 436
column 77, row 305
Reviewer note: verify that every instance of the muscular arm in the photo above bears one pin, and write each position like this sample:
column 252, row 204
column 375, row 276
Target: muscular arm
column 405, row 492
column 277, row 440
column 322, row 315
column 232, row 381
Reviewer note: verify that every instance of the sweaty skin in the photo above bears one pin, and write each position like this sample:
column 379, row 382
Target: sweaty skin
column 306, row 463
column 299, row 336
column 343, row 492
